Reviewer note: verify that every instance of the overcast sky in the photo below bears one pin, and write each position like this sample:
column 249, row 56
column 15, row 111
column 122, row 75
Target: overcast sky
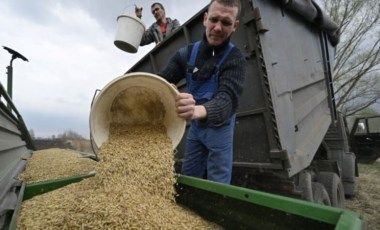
column 69, row 44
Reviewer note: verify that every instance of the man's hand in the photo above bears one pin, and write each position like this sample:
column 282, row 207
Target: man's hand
column 187, row 109
column 138, row 12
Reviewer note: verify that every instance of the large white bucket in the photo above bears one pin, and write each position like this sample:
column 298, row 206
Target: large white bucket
column 135, row 98
column 129, row 33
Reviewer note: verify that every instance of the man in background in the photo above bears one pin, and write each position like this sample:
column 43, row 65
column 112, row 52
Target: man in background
column 160, row 29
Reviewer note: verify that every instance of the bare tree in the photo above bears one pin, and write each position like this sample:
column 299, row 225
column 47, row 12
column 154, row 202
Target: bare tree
column 357, row 64
column 70, row 134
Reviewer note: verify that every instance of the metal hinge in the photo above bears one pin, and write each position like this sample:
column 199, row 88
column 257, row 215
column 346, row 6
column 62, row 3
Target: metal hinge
column 281, row 155
column 261, row 28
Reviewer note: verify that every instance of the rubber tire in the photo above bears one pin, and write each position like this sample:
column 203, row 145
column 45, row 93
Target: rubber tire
column 349, row 174
column 334, row 188
column 348, row 167
column 320, row 195
column 349, row 190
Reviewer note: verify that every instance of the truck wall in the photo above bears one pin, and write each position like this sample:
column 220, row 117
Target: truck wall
column 284, row 111
column 295, row 58
column 15, row 146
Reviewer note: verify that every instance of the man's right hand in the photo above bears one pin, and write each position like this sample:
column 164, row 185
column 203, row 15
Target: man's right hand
column 186, row 108
column 138, row 12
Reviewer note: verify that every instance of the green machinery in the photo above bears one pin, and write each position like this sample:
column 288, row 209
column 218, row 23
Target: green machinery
column 229, row 206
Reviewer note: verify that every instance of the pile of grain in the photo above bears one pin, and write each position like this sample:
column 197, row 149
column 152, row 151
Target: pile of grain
column 55, row 163
column 133, row 189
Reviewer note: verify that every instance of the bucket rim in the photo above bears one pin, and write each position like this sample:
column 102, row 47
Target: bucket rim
column 131, row 17
column 139, row 74
column 98, row 99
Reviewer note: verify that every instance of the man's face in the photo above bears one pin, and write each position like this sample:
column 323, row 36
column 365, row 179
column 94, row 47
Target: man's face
column 220, row 22
column 158, row 12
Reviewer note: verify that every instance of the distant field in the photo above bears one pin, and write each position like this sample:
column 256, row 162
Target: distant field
column 367, row 198
column 79, row 145
column 82, row 145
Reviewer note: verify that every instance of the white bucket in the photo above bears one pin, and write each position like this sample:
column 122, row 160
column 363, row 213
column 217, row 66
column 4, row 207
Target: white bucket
column 129, row 33
column 135, row 98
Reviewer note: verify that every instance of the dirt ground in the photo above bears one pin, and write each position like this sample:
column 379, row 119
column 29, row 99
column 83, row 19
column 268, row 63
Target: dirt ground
column 367, row 198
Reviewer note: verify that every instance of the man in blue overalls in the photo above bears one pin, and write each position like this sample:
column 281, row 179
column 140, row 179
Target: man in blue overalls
column 215, row 74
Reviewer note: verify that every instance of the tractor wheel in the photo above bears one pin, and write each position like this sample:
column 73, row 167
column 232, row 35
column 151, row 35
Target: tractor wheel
column 334, row 188
column 320, row 195
column 348, row 174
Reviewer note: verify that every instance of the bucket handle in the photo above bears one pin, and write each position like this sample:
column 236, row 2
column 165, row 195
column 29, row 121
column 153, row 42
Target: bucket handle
column 93, row 98
column 96, row 157
column 128, row 6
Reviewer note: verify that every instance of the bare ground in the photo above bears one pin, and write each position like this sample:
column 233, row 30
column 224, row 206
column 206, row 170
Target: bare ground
column 367, row 198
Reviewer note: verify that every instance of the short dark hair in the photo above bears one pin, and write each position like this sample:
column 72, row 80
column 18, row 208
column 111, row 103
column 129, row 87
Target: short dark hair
column 230, row 3
column 159, row 4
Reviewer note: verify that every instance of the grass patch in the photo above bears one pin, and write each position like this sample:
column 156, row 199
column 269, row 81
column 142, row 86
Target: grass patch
column 367, row 198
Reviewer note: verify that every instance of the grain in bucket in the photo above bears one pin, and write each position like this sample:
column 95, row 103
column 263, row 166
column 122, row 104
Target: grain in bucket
column 135, row 99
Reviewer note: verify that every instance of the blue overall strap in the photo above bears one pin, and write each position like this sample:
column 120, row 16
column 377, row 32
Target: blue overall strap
column 204, row 90
column 194, row 53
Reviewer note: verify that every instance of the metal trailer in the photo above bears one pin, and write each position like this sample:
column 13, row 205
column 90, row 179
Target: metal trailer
column 15, row 146
column 289, row 138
